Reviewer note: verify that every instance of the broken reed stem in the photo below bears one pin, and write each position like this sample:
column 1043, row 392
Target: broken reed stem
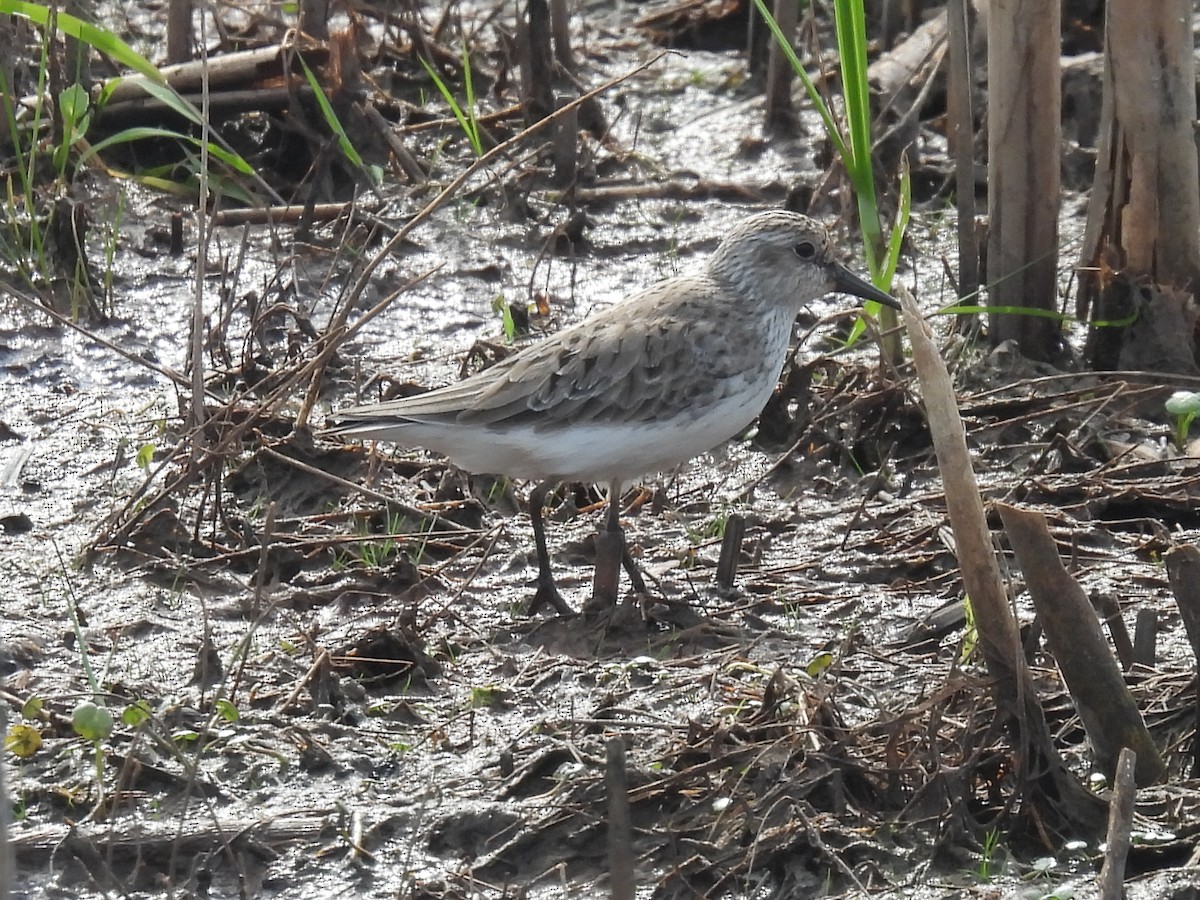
column 535, row 55
column 1108, row 710
column 560, row 30
column 1183, row 572
column 566, row 146
column 1145, row 637
column 1053, row 788
column 1110, row 611
column 964, row 503
column 780, row 113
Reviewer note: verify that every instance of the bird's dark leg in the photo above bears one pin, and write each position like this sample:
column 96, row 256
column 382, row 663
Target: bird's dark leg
column 612, row 555
column 547, row 590
column 614, row 523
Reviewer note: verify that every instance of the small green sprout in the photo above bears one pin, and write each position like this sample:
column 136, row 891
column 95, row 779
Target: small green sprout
column 1183, row 405
column 73, row 105
column 970, row 639
column 145, row 456
column 501, row 307
column 987, row 856
column 91, row 722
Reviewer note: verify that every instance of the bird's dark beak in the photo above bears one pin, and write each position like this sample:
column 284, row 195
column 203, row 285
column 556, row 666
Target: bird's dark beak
column 848, row 283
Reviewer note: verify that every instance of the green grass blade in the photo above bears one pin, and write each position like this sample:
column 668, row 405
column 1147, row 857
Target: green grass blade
column 331, row 117
column 956, row 309
column 161, row 92
column 455, row 108
column 233, row 160
column 469, row 86
column 896, row 240
column 850, row 25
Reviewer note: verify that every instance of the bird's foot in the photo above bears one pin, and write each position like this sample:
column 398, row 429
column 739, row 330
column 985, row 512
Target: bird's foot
column 547, row 595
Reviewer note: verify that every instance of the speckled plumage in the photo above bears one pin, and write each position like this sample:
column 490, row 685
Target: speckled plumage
column 643, row 385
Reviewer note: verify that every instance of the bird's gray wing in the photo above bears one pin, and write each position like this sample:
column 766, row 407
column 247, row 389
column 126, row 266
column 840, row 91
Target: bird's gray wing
column 634, row 361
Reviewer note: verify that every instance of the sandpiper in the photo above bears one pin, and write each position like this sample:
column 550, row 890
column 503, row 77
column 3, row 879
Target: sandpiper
column 641, row 386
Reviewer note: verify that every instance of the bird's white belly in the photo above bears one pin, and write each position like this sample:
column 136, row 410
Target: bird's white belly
column 592, row 452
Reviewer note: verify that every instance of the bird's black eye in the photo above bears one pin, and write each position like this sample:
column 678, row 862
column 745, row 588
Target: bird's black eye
column 806, row 249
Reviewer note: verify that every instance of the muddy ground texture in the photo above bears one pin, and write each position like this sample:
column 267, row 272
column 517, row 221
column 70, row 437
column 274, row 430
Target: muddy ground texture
column 318, row 656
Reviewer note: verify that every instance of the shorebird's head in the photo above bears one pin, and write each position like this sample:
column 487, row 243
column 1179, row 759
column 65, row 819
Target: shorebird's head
column 785, row 258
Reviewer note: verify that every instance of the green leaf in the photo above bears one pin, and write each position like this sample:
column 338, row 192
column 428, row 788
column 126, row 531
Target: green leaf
column 22, row 741
column 145, row 456
column 160, row 92
column 819, row 664
column 136, row 713
column 970, row 632
column 227, row 710
column 469, row 126
column 233, row 160
column 73, row 104
column 507, row 322
column 491, row 696
column 32, row 708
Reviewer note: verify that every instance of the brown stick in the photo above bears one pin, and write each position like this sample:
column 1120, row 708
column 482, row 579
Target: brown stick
column 560, row 29
column 1120, row 821
column 621, row 883
column 566, row 146
column 1108, row 607
column 1145, row 636
column 537, row 76
column 269, row 215
column 731, row 550
column 1183, row 572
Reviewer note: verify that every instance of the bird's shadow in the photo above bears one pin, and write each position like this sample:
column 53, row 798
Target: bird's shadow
column 636, row 625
